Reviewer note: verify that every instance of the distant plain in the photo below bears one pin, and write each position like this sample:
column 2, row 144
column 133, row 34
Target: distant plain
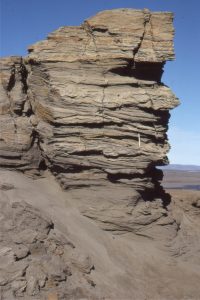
column 178, row 179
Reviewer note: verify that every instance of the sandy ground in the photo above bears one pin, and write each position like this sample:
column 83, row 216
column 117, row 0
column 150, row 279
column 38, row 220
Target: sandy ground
column 126, row 266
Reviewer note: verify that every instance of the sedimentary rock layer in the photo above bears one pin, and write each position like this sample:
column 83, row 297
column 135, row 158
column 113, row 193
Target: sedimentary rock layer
column 88, row 103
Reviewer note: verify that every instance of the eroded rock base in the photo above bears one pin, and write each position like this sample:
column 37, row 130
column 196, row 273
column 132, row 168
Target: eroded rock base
column 49, row 250
column 37, row 261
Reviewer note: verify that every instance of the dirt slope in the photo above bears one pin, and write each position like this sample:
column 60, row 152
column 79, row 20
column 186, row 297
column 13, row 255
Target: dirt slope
column 126, row 266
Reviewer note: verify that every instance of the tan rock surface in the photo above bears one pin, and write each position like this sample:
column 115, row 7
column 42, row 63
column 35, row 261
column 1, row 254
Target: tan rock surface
column 127, row 266
column 87, row 105
column 36, row 259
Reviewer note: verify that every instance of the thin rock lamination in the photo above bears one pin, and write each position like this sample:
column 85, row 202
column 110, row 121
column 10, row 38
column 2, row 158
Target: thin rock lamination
column 88, row 104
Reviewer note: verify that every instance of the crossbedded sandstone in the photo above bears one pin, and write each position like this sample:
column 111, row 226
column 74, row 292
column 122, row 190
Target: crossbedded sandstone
column 88, row 104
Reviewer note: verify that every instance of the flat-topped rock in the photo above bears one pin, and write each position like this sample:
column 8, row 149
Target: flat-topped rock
column 88, row 104
column 121, row 34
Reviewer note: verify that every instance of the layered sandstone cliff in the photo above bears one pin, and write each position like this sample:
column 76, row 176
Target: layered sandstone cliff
column 89, row 105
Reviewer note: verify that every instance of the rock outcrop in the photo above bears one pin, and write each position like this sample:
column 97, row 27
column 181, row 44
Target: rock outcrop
column 70, row 257
column 36, row 260
column 88, row 104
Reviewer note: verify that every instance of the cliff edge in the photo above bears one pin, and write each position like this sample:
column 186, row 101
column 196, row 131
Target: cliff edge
column 88, row 106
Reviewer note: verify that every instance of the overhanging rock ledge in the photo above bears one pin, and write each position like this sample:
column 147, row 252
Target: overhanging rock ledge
column 89, row 105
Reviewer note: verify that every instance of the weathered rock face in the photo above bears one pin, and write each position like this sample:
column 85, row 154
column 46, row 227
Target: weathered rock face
column 70, row 257
column 36, row 260
column 88, row 104
column 18, row 148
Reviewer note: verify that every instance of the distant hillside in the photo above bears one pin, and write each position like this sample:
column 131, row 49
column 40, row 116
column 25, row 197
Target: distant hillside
column 177, row 167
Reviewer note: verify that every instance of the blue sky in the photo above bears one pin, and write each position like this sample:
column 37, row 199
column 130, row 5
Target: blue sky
column 23, row 22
